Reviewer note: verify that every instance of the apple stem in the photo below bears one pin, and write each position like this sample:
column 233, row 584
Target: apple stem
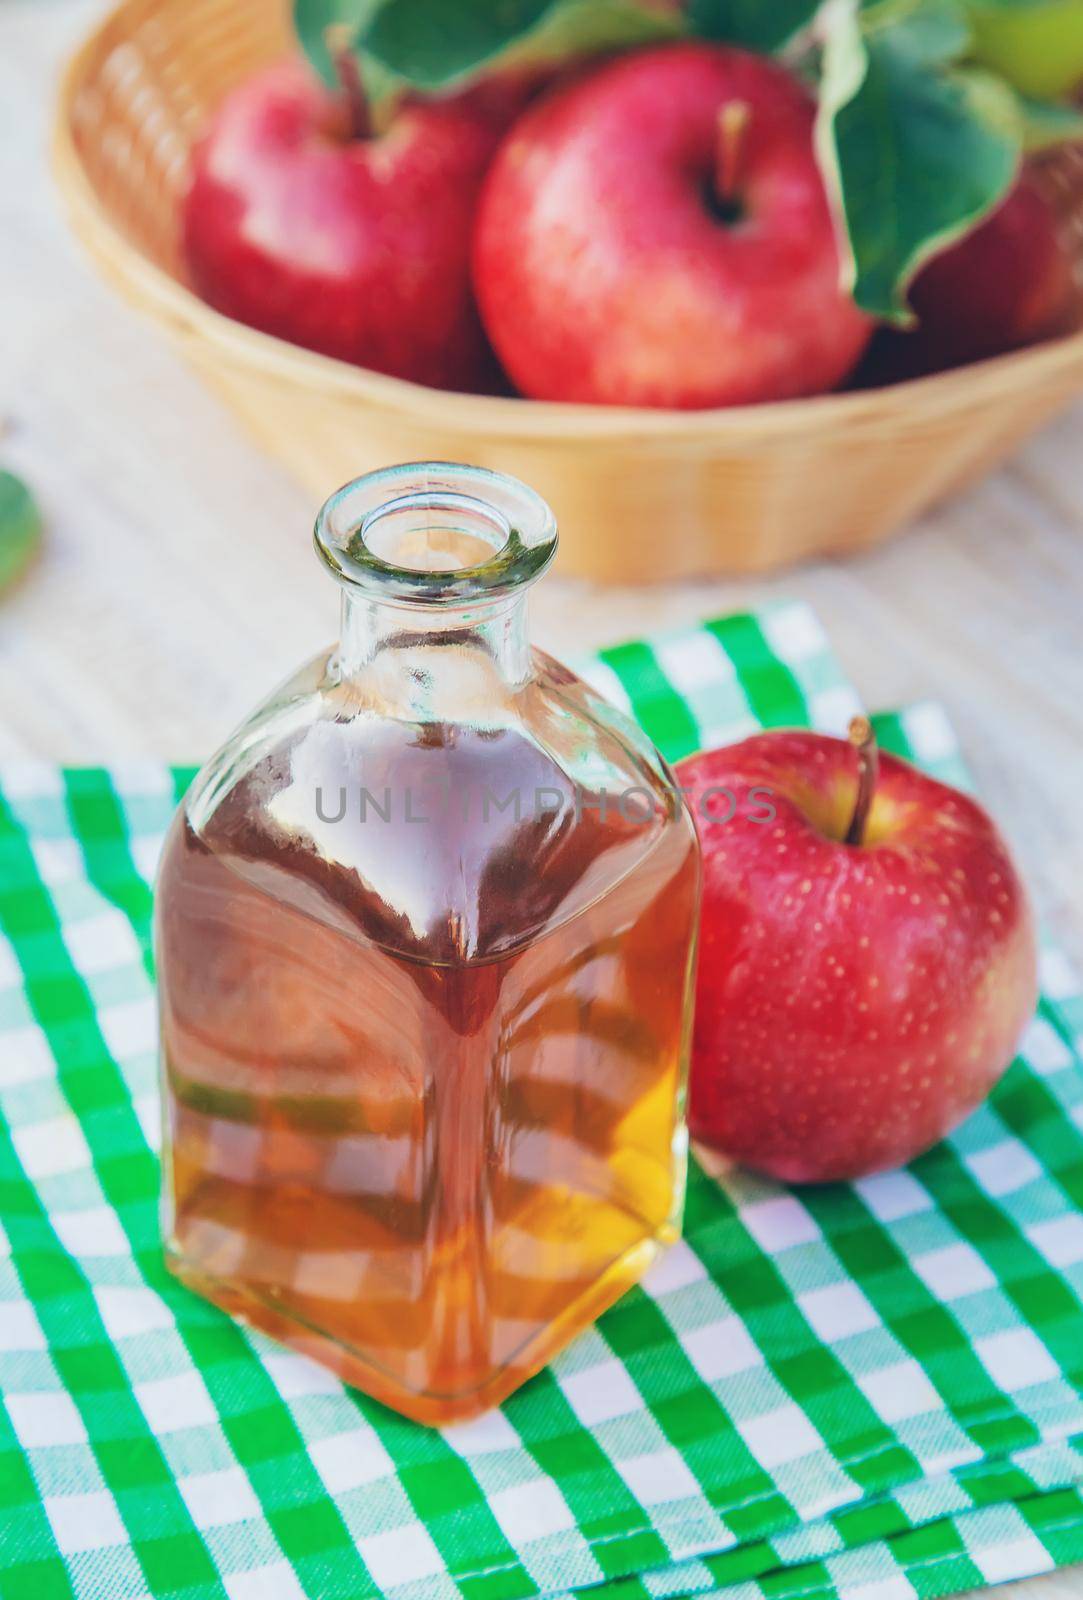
column 863, row 740
column 359, row 120
column 733, row 120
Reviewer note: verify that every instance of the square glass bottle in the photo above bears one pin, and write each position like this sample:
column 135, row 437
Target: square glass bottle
column 425, row 937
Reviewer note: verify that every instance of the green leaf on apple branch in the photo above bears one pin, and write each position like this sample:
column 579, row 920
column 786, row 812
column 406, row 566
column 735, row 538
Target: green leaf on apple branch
column 433, row 44
column 935, row 32
column 585, row 27
column 913, row 155
column 1049, row 122
column 764, row 25
column 20, row 528
column 316, row 23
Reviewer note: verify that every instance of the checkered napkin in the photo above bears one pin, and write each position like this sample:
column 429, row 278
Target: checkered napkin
column 850, row 1392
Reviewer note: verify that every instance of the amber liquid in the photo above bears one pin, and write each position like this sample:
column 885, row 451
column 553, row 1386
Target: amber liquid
column 424, row 1081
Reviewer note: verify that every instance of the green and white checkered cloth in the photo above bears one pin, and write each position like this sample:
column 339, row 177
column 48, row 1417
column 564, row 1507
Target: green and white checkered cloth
column 864, row 1392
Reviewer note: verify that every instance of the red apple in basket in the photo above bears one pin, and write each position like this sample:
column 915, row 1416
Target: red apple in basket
column 302, row 223
column 656, row 233
column 867, row 956
column 1007, row 284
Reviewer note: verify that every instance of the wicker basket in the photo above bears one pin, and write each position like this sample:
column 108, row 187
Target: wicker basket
column 639, row 494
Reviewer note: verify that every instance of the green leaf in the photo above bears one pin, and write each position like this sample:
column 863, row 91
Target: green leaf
column 934, row 32
column 585, row 27
column 914, row 154
column 20, row 528
column 1049, row 122
column 433, row 44
column 764, row 25
column 316, row 23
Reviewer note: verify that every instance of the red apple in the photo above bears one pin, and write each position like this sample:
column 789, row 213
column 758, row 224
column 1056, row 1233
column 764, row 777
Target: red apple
column 855, row 999
column 656, row 233
column 354, row 245
column 1006, row 284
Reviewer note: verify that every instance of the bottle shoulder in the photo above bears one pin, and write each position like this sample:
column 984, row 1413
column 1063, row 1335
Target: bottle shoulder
column 459, row 839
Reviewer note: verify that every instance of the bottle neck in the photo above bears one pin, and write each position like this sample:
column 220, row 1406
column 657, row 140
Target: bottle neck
column 435, row 561
column 425, row 661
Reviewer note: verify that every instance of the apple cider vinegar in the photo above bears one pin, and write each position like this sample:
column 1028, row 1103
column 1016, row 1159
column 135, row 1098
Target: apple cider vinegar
column 425, row 937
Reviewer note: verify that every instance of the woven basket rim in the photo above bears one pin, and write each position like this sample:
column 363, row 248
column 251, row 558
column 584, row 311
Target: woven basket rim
column 501, row 416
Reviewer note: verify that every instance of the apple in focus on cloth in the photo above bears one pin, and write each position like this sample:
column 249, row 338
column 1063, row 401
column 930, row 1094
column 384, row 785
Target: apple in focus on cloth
column 867, row 957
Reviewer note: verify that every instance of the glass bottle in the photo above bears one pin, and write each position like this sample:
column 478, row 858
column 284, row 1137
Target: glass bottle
column 425, row 939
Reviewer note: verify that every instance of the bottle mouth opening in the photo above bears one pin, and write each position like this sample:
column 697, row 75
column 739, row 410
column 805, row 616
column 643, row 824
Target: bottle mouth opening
column 433, row 533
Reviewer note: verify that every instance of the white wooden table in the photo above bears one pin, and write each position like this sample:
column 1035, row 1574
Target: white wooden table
column 178, row 583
